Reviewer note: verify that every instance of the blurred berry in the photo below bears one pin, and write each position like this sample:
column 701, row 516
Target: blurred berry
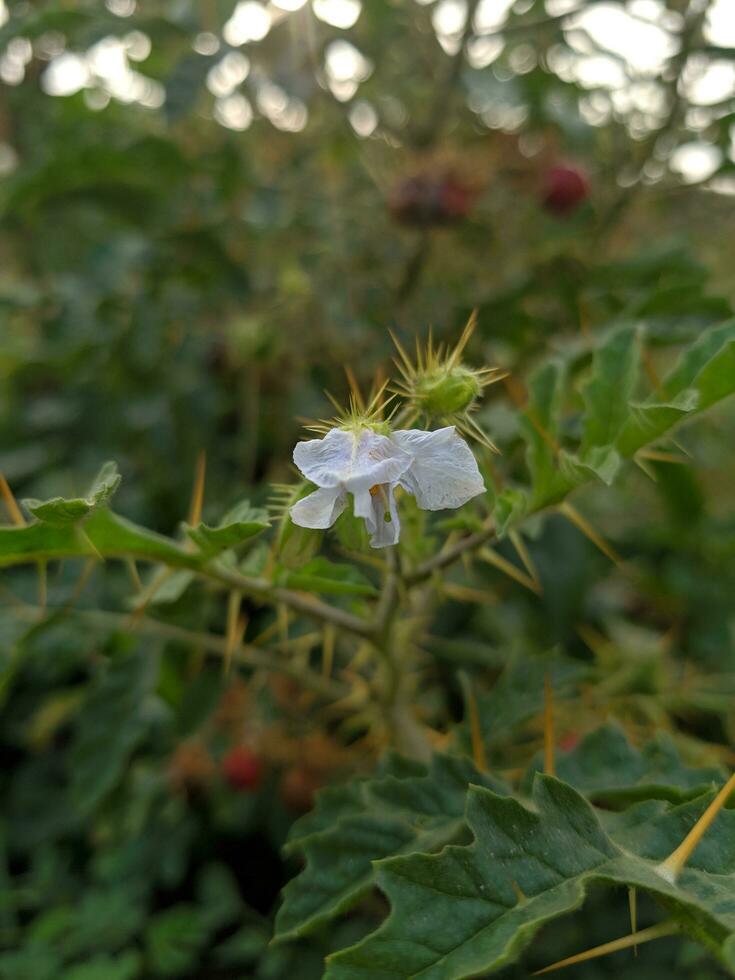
column 242, row 768
column 298, row 787
column 569, row 741
column 191, row 767
column 565, row 187
column 430, row 199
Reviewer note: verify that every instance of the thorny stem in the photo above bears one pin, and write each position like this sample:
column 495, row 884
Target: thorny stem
column 242, row 653
column 405, row 733
column 448, row 557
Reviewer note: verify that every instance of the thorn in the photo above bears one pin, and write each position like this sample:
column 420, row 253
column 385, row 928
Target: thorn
column 644, row 936
column 236, row 625
column 658, row 455
column 42, row 586
column 493, row 558
column 197, row 493
column 405, row 359
column 520, row 545
column 149, row 593
column 479, row 754
column 135, row 577
column 463, row 593
column 586, row 528
column 651, row 374
column 463, row 339
column 282, row 618
column 328, row 643
column 670, row 868
column 355, row 392
column 92, row 546
column 549, row 763
column 87, row 570
column 633, row 909
column 642, row 464
column 11, row 505
column 519, row 893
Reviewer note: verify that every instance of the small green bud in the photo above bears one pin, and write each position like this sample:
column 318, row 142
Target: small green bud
column 447, row 391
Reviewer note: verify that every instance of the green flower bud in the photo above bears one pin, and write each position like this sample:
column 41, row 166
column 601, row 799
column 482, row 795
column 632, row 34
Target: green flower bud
column 447, row 391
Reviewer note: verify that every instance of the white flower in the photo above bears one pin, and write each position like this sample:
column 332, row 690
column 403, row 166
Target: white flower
column 438, row 468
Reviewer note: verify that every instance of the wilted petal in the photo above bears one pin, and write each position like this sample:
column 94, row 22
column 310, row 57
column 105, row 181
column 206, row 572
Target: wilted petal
column 444, row 471
column 380, row 514
column 354, row 460
column 320, row 509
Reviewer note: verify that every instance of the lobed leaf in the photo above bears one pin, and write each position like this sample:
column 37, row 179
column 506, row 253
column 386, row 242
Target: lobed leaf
column 473, row 909
column 355, row 825
column 238, row 526
column 604, row 766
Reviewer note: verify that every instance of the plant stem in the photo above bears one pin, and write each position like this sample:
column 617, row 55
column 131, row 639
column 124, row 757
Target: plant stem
column 450, row 556
column 242, row 653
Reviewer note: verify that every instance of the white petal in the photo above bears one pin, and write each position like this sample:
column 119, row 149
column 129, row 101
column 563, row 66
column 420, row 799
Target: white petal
column 380, row 514
column 354, row 460
column 324, row 460
column 444, row 471
column 320, row 509
column 378, row 460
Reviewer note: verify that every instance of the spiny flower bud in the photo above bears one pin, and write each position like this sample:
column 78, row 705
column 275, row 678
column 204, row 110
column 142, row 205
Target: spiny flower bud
column 438, row 386
column 447, row 391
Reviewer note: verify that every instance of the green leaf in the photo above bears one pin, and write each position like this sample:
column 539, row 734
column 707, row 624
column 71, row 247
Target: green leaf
column 108, row 727
column 60, row 511
column 123, row 967
column 598, row 462
column 541, row 425
column 511, row 506
column 322, row 575
column 607, row 393
column 713, row 347
column 239, row 525
column 518, row 694
column 647, row 422
column 607, row 768
column 353, row 826
column 472, row 910
column 174, row 939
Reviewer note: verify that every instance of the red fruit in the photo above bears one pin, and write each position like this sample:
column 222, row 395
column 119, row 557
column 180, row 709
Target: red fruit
column 430, row 199
column 569, row 742
column 565, row 187
column 456, row 199
column 242, row 768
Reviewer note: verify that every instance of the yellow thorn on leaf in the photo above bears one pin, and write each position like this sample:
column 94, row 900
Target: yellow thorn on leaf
column 670, row 868
column 636, row 938
column 549, row 763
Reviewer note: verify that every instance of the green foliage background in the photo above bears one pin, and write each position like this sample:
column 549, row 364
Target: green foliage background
column 169, row 285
